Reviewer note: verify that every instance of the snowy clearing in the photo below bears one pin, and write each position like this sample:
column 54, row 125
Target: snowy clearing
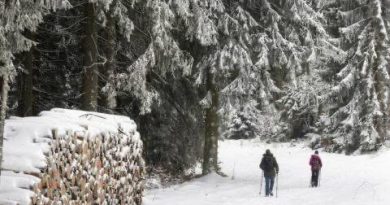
column 345, row 180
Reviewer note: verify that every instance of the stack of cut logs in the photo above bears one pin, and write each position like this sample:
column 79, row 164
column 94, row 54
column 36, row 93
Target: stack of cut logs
column 105, row 169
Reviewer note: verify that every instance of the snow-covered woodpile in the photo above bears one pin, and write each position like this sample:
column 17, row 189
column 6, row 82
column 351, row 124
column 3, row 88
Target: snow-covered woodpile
column 73, row 157
column 107, row 169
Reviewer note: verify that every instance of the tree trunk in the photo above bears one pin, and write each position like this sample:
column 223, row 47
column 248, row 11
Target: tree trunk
column 90, row 74
column 3, row 109
column 108, row 98
column 3, row 96
column 210, row 154
column 26, row 97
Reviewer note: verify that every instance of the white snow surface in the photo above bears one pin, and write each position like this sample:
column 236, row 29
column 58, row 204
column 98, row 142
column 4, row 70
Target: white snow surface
column 27, row 139
column 345, row 180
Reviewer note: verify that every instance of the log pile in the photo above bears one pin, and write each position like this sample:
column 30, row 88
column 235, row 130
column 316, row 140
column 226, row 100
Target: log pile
column 105, row 169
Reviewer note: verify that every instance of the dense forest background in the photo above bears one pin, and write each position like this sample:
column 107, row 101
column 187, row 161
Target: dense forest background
column 190, row 72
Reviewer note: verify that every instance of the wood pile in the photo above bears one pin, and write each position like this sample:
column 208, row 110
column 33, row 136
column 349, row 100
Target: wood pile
column 106, row 169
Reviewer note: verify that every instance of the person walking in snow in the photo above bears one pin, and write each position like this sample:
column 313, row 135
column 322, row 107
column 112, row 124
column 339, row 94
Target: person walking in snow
column 270, row 168
column 316, row 165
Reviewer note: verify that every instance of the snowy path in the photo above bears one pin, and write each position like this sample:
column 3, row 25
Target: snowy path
column 346, row 180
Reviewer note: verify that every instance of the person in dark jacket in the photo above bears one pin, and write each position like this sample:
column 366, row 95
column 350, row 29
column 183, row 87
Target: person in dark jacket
column 270, row 169
column 316, row 165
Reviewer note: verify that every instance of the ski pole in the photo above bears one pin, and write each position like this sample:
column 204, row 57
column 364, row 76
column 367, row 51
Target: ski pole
column 261, row 181
column 277, row 184
column 319, row 177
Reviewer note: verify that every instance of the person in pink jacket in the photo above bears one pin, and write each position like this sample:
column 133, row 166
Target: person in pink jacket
column 316, row 165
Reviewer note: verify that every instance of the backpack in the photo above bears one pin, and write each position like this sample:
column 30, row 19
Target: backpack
column 268, row 163
column 315, row 163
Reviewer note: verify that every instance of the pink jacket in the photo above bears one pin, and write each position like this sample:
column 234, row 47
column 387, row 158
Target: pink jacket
column 315, row 162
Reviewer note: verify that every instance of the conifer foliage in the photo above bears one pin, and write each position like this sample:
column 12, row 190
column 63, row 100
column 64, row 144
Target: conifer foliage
column 191, row 72
column 360, row 93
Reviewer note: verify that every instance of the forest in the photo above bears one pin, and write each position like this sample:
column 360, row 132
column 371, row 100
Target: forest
column 192, row 72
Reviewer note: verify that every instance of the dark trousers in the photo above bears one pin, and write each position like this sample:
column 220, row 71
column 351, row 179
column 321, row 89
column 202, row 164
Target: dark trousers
column 314, row 177
column 269, row 185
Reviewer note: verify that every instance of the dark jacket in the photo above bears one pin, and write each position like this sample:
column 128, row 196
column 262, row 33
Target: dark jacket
column 269, row 165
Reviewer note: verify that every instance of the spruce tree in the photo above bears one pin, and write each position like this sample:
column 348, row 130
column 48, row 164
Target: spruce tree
column 358, row 101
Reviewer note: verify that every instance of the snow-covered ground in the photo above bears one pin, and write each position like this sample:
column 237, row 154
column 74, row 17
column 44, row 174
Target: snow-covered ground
column 345, row 180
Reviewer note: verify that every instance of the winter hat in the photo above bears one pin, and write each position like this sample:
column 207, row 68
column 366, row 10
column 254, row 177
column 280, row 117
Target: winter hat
column 316, row 152
column 267, row 151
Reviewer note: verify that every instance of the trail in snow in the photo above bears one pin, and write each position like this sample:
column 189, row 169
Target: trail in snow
column 345, row 180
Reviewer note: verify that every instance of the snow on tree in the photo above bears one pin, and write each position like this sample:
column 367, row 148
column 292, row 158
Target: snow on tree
column 298, row 50
column 162, row 56
column 117, row 24
column 244, row 123
column 301, row 109
column 110, row 13
column 165, row 64
column 243, row 69
column 358, row 102
column 18, row 16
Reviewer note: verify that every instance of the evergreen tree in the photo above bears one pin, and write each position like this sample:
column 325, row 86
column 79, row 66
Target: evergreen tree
column 358, row 101
column 243, row 124
column 299, row 49
column 160, row 80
